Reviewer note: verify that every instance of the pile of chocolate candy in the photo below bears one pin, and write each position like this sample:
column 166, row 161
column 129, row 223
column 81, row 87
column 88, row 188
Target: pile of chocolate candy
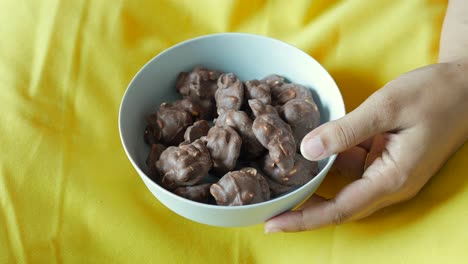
column 246, row 135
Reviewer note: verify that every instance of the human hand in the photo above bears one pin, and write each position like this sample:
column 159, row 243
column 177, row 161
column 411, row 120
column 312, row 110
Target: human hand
column 392, row 144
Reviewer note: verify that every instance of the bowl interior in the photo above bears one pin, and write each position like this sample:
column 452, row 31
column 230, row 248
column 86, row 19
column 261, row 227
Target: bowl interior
column 248, row 56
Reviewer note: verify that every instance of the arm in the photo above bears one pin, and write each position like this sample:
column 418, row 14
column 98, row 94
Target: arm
column 454, row 36
column 396, row 140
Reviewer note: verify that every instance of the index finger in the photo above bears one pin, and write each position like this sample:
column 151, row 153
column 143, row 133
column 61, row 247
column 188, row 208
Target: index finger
column 353, row 201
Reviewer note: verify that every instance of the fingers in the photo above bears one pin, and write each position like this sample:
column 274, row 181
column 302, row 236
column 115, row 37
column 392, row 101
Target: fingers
column 354, row 200
column 372, row 117
column 282, row 224
column 378, row 146
column 314, row 199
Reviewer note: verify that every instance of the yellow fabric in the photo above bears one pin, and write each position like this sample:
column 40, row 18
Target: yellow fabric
column 68, row 192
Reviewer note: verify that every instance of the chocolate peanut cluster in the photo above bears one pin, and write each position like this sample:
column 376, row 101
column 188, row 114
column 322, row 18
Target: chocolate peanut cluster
column 229, row 142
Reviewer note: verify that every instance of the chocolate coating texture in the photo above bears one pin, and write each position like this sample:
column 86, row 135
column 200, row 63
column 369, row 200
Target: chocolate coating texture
column 198, row 193
column 230, row 93
column 152, row 134
column 274, row 134
column 273, row 80
column 184, row 165
column 302, row 115
column 281, row 94
column 246, row 186
column 172, row 120
column 255, row 89
column 197, row 130
column 242, row 123
column 153, row 156
column 224, row 145
column 199, row 84
column 302, row 171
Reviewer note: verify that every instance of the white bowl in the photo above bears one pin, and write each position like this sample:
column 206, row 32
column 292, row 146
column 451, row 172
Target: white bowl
column 249, row 57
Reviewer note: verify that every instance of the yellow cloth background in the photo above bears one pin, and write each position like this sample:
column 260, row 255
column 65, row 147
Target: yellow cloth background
column 68, row 192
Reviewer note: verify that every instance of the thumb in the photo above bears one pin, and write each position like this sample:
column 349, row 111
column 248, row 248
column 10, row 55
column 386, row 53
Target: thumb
column 374, row 116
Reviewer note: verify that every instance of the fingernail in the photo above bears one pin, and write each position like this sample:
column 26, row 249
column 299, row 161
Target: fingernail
column 269, row 229
column 312, row 148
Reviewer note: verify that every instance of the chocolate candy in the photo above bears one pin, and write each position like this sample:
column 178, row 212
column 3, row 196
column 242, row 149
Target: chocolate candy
column 241, row 122
column 197, row 130
column 302, row 115
column 172, row 121
column 246, row 186
column 277, row 189
column 273, row 80
column 152, row 133
column 197, row 109
column 281, row 94
column 224, row 145
column 153, row 156
column 184, row 165
column 255, row 89
column 230, row 93
column 199, row 84
column 302, row 171
column 274, row 134
column 198, row 193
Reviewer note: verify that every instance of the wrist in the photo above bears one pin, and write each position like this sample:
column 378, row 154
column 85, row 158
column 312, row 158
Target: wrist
column 457, row 85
